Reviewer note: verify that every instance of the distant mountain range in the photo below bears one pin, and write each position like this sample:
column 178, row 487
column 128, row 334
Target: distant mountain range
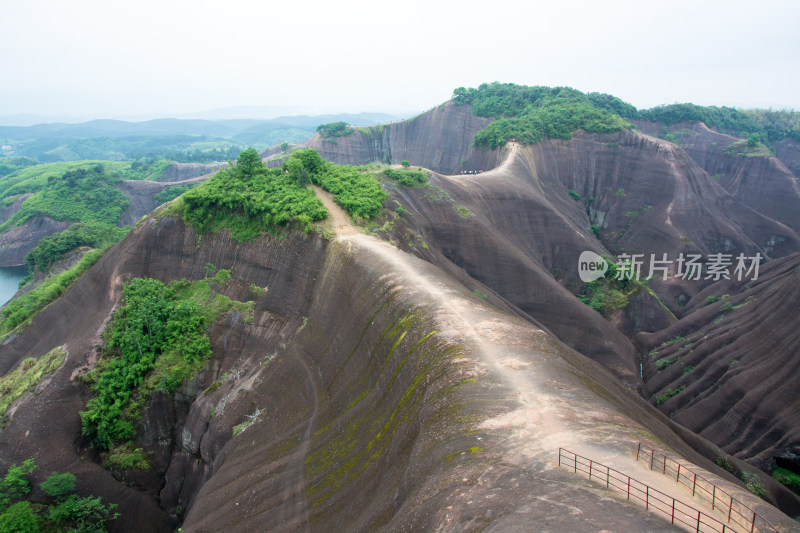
column 230, row 128
column 166, row 137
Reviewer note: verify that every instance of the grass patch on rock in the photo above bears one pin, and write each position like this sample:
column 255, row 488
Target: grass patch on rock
column 28, row 374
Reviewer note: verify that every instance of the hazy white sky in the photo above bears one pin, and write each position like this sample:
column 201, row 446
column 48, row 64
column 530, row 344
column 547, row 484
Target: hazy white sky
column 109, row 58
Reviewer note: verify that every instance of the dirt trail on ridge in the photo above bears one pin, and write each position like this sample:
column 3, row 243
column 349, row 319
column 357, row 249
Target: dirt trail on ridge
column 500, row 169
column 555, row 409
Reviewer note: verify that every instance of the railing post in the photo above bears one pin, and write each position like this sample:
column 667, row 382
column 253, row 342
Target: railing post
column 646, row 497
column 713, row 496
column 575, row 462
column 664, row 464
column 652, row 456
column 678, row 477
column 673, row 511
column 590, row 469
column 698, row 522
column 730, row 509
column 559, row 457
column 694, row 483
column 638, row 449
column 629, row 487
column 753, row 525
column 608, row 475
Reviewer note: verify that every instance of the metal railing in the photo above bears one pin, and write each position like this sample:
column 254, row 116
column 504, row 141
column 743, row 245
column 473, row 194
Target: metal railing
column 735, row 510
column 654, row 500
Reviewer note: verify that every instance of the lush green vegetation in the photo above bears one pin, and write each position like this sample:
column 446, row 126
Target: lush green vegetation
column 787, row 477
column 355, row 189
column 84, row 194
column 607, row 294
column 334, row 129
column 64, row 510
column 358, row 192
column 770, row 126
column 753, row 484
column 145, row 169
column 183, row 148
column 21, row 310
column 157, row 339
column 53, row 248
column 198, row 141
column 527, row 114
column 170, row 193
column 249, row 199
column 725, row 463
column 749, row 149
column 126, row 457
column 28, row 374
column 35, row 178
column 9, row 165
column 206, row 152
column 669, row 393
column 407, row 177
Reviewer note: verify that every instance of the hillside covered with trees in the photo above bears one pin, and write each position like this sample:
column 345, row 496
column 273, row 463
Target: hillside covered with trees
column 528, row 114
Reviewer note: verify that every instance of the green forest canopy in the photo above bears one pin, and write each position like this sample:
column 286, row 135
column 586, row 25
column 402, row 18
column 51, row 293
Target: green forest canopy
column 158, row 338
column 529, row 113
column 84, row 194
column 250, row 198
column 335, row 129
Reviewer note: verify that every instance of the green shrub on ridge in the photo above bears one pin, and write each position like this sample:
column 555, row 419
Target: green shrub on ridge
column 528, row 114
column 249, row 199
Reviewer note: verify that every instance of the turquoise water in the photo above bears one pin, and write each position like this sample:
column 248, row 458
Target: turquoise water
column 9, row 280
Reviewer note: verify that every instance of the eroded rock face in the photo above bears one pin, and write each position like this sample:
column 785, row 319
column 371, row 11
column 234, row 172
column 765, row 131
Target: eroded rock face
column 140, row 193
column 440, row 139
column 184, row 171
column 17, row 241
column 737, row 359
column 517, row 231
column 521, row 235
column 373, row 390
column 354, row 399
column 788, row 151
column 768, row 185
column 164, row 250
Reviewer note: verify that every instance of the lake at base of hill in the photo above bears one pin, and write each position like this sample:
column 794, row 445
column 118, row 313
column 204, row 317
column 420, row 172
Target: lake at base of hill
column 9, row 281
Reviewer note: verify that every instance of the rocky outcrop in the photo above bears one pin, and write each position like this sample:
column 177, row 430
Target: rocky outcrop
column 367, row 388
column 164, row 250
column 735, row 363
column 768, row 185
column 142, row 202
column 184, row 171
column 517, row 231
column 372, row 389
column 440, row 139
column 7, row 211
column 788, row 151
column 17, row 241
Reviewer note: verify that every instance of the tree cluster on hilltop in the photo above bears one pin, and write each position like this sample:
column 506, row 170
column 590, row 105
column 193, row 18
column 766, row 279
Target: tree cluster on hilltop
column 527, row 114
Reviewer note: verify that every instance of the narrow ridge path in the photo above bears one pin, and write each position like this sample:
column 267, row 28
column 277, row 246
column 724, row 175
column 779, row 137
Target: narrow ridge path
column 554, row 409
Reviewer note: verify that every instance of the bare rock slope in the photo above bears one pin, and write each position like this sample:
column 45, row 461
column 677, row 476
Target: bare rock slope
column 406, row 387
